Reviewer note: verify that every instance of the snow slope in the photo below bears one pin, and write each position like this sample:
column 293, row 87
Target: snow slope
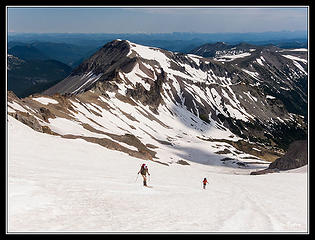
column 70, row 185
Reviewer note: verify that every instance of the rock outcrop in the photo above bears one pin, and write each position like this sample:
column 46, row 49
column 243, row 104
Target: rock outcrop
column 295, row 157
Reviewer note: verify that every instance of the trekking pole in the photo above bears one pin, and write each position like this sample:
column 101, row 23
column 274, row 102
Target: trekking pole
column 137, row 177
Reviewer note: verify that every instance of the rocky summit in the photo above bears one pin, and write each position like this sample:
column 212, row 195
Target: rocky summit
column 241, row 103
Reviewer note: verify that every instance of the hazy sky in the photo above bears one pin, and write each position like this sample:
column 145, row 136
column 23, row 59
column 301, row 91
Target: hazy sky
column 155, row 19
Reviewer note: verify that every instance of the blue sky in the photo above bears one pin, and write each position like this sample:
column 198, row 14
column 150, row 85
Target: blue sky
column 155, row 19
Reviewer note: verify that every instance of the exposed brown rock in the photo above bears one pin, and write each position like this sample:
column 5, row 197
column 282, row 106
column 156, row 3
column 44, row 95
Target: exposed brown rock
column 182, row 162
column 28, row 120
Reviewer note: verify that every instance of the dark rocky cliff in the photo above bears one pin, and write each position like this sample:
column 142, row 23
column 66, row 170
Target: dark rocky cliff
column 295, row 157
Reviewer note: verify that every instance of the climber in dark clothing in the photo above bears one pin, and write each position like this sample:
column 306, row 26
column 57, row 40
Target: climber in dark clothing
column 144, row 171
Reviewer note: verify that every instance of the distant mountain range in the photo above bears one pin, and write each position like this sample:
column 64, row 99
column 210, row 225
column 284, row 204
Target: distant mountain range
column 176, row 42
column 69, row 54
column 34, row 67
column 88, row 38
column 28, row 76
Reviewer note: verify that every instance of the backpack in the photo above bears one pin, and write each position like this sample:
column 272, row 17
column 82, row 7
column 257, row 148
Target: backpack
column 143, row 170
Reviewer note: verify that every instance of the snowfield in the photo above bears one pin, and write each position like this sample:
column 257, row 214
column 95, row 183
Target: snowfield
column 70, row 185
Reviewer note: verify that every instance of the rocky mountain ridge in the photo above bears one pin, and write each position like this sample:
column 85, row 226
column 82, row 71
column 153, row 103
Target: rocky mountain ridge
column 165, row 99
column 215, row 50
column 252, row 91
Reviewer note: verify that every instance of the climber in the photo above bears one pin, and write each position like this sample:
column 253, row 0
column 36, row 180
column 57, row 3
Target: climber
column 204, row 183
column 144, row 171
